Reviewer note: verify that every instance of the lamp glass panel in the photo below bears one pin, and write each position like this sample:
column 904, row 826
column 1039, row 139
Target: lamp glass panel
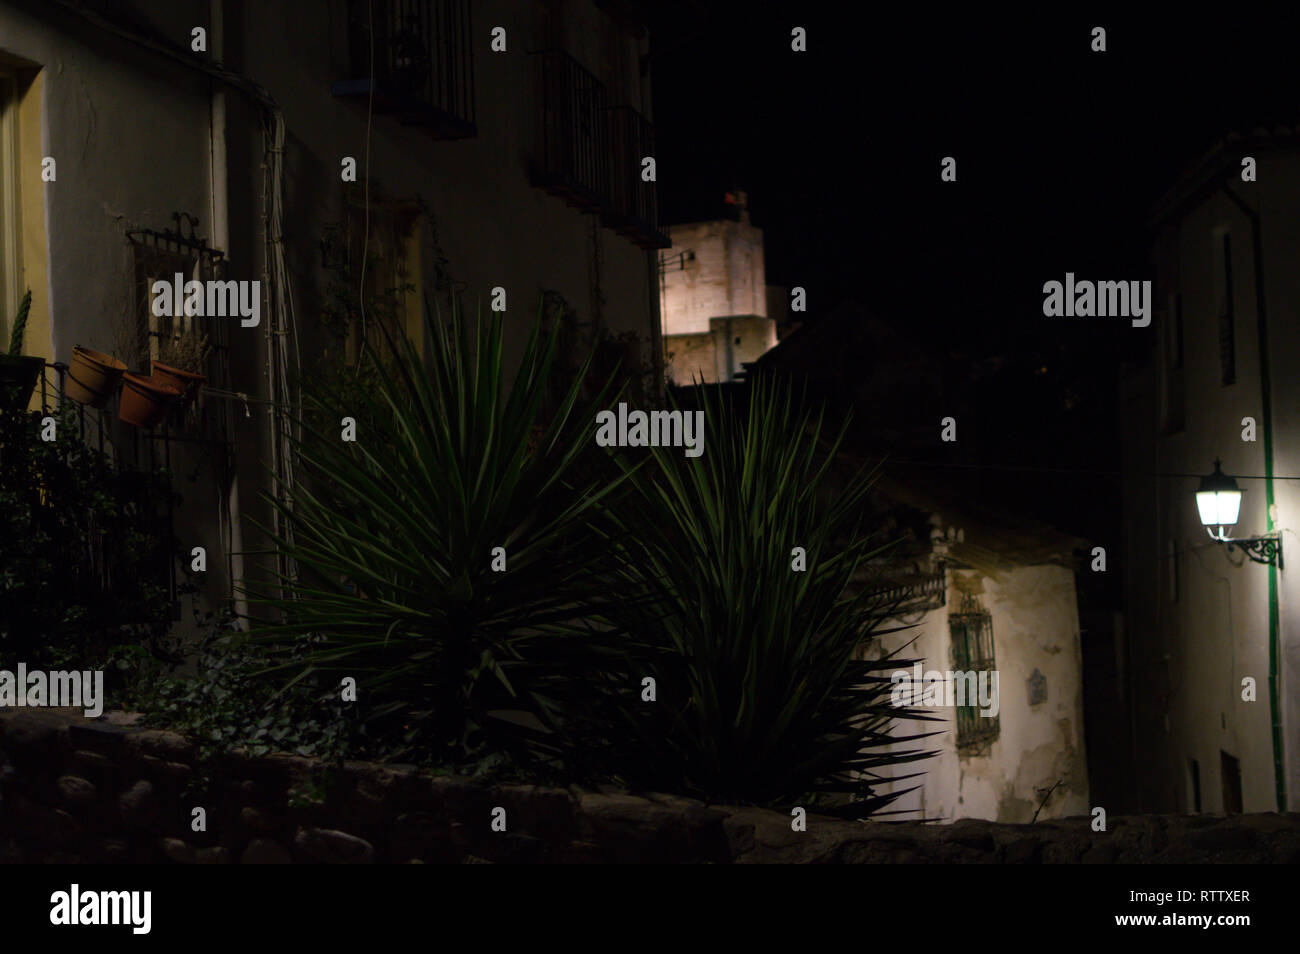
column 1219, row 507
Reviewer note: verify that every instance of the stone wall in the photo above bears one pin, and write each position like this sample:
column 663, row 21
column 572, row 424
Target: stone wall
column 79, row 790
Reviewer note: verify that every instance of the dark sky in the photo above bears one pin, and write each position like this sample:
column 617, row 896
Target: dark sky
column 1061, row 151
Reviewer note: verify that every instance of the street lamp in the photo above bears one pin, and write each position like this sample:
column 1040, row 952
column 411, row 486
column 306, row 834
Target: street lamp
column 1218, row 501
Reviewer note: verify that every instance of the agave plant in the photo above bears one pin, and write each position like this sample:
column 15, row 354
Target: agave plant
column 399, row 581
column 763, row 691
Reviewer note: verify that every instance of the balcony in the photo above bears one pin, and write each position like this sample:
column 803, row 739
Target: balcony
column 633, row 210
column 416, row 61
column 571, row 155
column 907, row 592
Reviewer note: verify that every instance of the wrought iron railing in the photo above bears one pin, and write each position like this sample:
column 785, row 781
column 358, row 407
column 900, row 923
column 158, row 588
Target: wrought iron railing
column 971, row 631
column 633, row 210
column 414, row 58
column 571, row 156
column 138, row 466
column 911, row 592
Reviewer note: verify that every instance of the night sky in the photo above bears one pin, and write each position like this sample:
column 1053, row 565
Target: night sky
column 1061, row 154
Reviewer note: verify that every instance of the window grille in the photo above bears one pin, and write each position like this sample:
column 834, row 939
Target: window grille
column 971, row 629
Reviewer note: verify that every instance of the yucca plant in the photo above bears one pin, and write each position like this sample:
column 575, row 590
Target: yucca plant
column 763, row 694
column 393, row 536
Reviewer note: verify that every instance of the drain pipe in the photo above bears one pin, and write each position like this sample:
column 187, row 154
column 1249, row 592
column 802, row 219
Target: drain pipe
column 219, row 221
column 1266, row 413
column 281, row 323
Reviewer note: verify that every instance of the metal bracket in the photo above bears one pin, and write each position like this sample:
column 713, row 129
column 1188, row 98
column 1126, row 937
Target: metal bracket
column 1266, row 550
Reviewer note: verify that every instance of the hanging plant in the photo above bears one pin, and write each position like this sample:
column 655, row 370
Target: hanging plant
column 181, row 359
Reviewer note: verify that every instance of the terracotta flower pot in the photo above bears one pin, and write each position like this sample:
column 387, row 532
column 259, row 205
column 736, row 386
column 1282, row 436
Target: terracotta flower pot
column 186, row 382
column 145, row 402
column 18, row 377
column 93, row 377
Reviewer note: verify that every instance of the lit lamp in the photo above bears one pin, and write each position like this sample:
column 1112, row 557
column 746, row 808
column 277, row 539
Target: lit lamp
column 1218, row 500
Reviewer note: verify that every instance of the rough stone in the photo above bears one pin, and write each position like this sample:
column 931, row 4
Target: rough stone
column 178, row 851
column 102, row 738
column 632, row 829
column 76, row 792
column 1224, row 838
column 60, row 775
column 139, row 805
column 255, row 819
column 167, row 746
column 334, row 847
column 32, row 729
column 92, row 764
column 108, row 851
column 261, row 851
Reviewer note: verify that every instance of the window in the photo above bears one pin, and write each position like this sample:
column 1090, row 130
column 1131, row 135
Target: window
column 1231, row 772
column 971, row 629
column 572, row 151
column 1173, row 406
column 1194, row 783
column 1227, row 317
column 414, row 59
column 402, row 263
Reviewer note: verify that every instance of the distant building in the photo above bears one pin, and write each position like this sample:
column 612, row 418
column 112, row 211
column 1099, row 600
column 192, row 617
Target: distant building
column 715, row 299
column 1204, row 624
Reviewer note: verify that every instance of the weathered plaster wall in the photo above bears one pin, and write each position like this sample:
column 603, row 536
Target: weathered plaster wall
column 1035, row 627
column 130, row 139
column 494, row 227
column 129, row 135
column 130, row 132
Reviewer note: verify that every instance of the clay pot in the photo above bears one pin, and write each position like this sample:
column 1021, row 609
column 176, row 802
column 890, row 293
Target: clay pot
column 18, row 377
column 145, row 402
column 186, row 382
column 93, row 377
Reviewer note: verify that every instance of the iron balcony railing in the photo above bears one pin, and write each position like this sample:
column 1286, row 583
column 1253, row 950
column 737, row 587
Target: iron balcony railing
column 414, row 59
column 912, row 592
column 633, row 210
column 571, row 157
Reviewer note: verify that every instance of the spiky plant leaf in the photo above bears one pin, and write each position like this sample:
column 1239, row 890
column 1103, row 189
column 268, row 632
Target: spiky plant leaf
column 764, row 694
column 393, row 536
column 19, row 330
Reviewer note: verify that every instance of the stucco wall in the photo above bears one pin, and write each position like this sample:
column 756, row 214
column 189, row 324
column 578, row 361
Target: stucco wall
column 131, row 135
column 1035, row 621
column 1211, row 627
